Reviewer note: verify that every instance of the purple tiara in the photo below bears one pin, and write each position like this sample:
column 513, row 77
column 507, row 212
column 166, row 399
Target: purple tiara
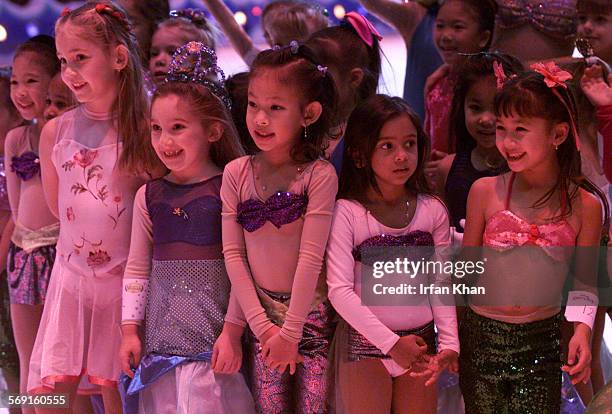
column 194, row 62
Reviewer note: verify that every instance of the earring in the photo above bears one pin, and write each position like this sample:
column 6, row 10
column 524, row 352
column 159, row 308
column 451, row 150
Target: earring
column 305, row 134
column 556, row 147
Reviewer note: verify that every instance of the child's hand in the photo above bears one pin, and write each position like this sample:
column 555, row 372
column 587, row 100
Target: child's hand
column 278, row 353
column 227, row 350
column 579, row 347
column 594, row 86
column 407, row 350
column 446, row 358
column 130, row 350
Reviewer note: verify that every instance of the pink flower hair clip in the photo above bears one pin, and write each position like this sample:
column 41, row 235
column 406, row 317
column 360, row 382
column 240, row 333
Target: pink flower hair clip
column 553, row 74
column 500, row 74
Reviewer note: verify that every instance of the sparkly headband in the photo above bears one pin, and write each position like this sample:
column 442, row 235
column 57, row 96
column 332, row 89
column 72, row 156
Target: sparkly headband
column 294, row 46
column 362, row 27
column 102, row 8
column 197, row 17
column 194, row 62
column 555, row 77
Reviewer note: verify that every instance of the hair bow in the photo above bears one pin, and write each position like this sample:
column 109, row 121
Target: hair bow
column 362, row 26
column 102, row 8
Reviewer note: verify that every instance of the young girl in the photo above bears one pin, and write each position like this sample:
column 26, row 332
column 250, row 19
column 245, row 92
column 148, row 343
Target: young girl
column 59, row 98
column 180, row 28
column 9, row 119
column 176, row 240
column 510, row 339
column 277, row 208
column 462, row 26
column 281, row 21
column 472, row 121
column 352, row 53
column 384, row 202
column 93, row 160
column 32, row 249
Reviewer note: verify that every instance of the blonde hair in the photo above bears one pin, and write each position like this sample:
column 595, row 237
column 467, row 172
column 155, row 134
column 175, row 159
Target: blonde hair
column 294, row 19
column 109, row 27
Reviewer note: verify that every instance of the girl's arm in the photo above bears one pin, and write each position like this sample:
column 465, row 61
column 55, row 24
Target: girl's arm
column 582, row 300
column 322, row 191
column 13, row 183
column 234, row 252
column 443, row 307
column 5, row 241
column 403, row 17
column 48, row 172
column 240, row 40
column 604, row 119
column 341, row 282
column 475, row 211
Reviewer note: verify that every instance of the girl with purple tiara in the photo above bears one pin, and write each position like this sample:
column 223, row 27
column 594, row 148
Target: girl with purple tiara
column 175, row 280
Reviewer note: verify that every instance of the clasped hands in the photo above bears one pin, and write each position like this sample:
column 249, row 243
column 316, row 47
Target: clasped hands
column 279, row 353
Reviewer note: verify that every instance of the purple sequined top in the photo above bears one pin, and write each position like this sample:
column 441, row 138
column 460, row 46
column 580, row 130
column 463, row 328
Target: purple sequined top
column 279, row 209
column 379, row 248
column 186, row 219
column 4, row 202
column 556, row 18
column 26, row 166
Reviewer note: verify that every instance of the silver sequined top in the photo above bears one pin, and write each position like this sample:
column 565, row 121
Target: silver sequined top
column 4, row 202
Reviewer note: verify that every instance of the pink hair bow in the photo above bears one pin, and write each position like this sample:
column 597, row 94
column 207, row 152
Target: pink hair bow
column 500, row 74
column 555, row 76
column 366, row 31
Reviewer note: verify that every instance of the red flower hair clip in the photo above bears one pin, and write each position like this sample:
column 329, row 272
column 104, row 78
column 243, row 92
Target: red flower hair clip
column 102, row 8
column 553, row 74
column 65, row 12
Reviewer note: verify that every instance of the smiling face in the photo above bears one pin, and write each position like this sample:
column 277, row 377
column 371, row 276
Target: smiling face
column 479, row 111
column 29, row 85
column 528, row 144
column 457, row 31
column 275, row 116
column 59, row 98
column 89, row 70
column 395, row 157
column 180, row 140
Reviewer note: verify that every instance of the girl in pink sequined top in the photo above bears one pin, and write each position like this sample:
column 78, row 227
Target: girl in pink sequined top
column 93, row 159
column 461, row 27
column 539, row 215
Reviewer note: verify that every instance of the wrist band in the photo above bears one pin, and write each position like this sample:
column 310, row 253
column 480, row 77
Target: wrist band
column 134, row 299
column 581, row 307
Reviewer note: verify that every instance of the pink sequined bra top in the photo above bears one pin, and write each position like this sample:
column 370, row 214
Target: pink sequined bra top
column 556, row 18
column 504, row 229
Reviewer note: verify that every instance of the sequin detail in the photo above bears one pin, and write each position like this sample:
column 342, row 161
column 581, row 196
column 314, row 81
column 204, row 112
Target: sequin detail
column 306, row 391
column 26, row 166
column 4, row 203
column 360, row 348
column 279, row 209
column 514, row 368
column 556, row 18
column 371, row 250
column 186, row 306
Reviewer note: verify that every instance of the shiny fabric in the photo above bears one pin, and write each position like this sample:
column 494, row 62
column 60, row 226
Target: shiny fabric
column 556, row 18
column 26, row 166
column 370, row 250
column 4, row 202
column 307, row 391
column 29, row 274
column 279, row 209
column 186, row 304
column 9, row 359
column 510, row 368
column 30, row 240
column 504, row 229
column 360, row 348
column 438, row 104
column 169, row 384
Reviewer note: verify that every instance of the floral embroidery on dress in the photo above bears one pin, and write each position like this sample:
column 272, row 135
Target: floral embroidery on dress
column 119, row 211
column 98, row 258
column 70, row 214
column 84, row 158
